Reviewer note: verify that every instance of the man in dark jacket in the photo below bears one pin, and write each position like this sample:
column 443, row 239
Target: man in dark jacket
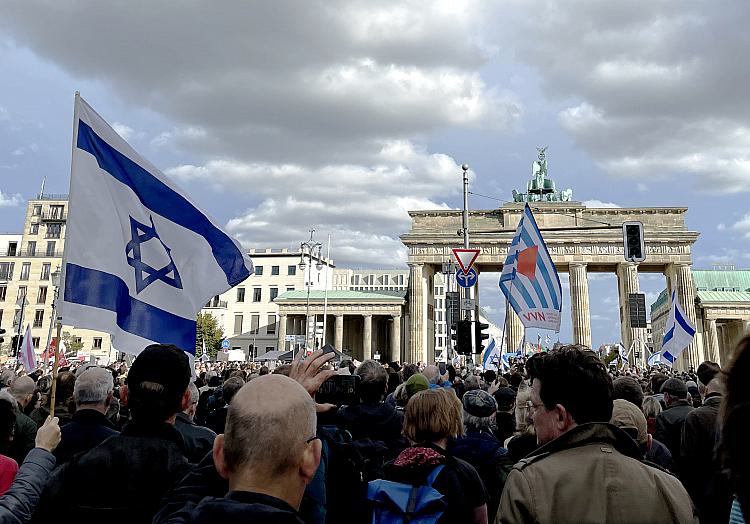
column 21, row 391
column 480, row 448
column 668, row 427
column 702, row 476
column 372, row 418
column 146, row 459
column 269, row 453
column 217, row 418
column 90, row 425
column 198, row 440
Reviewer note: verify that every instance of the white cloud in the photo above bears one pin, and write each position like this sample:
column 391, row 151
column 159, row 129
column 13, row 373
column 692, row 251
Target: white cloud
column 743, row 226
column 17, row 152
column 4, row 115
column 599, row 203
column 125, row 131
column 10, row 200
column 721, row 226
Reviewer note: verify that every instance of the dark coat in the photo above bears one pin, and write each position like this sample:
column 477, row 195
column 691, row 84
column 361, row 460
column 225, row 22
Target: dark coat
column 491, row 460
column 62, row 412
column 85, row 431
column 123, row 479
column 376, row 421
column 217, row 419
column 237, row 507
column 668, row 429
column 18, row 503
column 24, row 438
column 198, row 440
column 701, row 473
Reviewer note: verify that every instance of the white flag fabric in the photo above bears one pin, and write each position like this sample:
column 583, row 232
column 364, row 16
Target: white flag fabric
column 140, row 259
column 27, row 355
column 491, row 356
column 678, row 333
column 529, row 279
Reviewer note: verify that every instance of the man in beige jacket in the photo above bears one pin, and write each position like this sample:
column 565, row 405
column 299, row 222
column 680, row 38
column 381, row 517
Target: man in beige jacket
column 586, row 470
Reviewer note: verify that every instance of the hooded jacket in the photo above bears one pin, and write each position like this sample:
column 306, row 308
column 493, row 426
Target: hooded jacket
column 238, row 507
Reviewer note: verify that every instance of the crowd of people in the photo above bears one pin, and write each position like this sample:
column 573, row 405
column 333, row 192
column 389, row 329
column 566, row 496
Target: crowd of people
column 558, row 437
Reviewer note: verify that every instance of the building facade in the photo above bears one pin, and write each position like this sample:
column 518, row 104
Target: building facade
column 722, row 305
column 27, row 262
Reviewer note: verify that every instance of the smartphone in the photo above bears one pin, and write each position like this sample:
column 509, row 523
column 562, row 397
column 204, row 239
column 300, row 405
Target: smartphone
column 340, row 390
column 441, row 367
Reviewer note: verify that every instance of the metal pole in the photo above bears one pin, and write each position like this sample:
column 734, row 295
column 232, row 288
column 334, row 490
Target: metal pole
column 53, row 389
column 465, row 227
column 307, row 310
column 20, row 324
column 325, row 300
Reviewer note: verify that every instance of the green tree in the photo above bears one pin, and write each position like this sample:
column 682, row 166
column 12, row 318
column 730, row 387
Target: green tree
column 208, row 329
column 72, row 344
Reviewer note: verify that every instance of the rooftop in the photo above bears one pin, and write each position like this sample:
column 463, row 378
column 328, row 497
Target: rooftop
column 715, row 285
column 363, row 296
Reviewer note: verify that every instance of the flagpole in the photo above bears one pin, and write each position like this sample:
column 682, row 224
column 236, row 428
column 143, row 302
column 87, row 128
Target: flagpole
column 325, row 299
column 58, row 326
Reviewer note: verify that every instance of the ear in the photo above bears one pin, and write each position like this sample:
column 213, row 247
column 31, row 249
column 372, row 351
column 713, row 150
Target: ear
column 564, row 420
column 185, row 403
column 218, row 454
column 310, row 460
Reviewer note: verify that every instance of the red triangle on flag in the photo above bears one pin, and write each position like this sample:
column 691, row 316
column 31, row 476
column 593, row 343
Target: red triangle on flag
column 465, row 258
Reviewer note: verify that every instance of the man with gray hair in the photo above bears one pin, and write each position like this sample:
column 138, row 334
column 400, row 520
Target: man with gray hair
column 90, row 426
column 269, row 453
column 199, row 440
column 19, row 394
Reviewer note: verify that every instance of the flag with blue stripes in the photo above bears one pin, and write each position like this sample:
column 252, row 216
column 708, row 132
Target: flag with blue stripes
column 491, row 355
column 678, row 334
column 529, row 279
column 140, row 259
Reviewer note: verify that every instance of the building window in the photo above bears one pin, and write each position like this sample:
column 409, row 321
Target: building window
column 274, row 293
column 291, row 270
column 51, row 248
column 98, row 343
column 254, row 323
column 56, row 211
column 41, row 297
column 25, row 270
column 290, row 288
column 271, row 327
column 1, row 318
column 3, row 292
column 34, row 229
column 240, row 294
column 31, row 248
column 37, row 210
column 53, row 230
column 45, row 271
column 6, row 270
column 256, row 294
column 274, row 270
column 21, row 292
column 258, row 271
column 35, row 342
column 38, row 318
column 237, row 324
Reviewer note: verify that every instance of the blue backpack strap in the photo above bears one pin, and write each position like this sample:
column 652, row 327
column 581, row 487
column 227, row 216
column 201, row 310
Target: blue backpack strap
column 435, row 472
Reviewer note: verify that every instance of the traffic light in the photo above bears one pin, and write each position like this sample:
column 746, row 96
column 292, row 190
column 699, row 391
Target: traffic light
column 2, row 332
column 462, row 336
column 632, row 236
column 16, row 341
column 480, row 336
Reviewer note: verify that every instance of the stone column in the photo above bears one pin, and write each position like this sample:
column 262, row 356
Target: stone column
column 693, row 354
column 513, row 329
column 712, row 340
column 367, row 338
column 396, row 339
column 338, row 336
column 579, row 304
column 627, row 283
column 417, row 315
column 281, row 346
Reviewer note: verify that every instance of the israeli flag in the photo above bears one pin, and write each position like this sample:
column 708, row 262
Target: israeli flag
column 529, row 279
column 505, row 362
column 678, row 333
column 491, row 356
column 622, row 353
column 654, row 359
column 140, row 259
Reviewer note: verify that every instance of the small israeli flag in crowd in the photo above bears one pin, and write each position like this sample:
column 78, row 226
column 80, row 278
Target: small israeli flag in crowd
column 678, row 333
column 491, row 356
column 140, row 259
column 529, row 279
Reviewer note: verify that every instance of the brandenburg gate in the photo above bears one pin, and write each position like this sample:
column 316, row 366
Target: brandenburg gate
column 581, row 240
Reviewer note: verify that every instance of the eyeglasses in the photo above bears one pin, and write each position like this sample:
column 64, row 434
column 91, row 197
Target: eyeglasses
column 311, row 439
column 532, row 408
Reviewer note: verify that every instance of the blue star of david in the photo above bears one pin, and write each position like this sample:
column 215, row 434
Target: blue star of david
column 140, row 233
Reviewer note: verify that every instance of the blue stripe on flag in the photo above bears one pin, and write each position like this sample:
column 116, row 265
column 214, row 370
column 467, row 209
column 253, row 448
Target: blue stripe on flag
column 543, row 245
column 668, row 336
column 683, row 323
column 545, row 274
column 513, row 302
column 162, row 199
column 525, row 294
column 90, row 287
column 667, row 355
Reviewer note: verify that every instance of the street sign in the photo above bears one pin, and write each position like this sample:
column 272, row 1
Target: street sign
column 225, row 344
column 467, row 304
column 300, row 339
column 465, row 258
column 290, row 338
column 466, row 280
column 376, row 356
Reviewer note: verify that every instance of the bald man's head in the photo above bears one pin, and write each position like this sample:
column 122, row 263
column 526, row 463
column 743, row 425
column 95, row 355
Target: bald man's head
column 268, row 422
column 22, row 389
column 432, row 373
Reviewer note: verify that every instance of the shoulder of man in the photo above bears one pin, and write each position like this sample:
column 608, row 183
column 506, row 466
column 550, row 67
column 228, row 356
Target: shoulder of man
column 528, row 461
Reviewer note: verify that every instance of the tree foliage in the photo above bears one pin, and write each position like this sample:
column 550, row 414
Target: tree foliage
column 71, row 343
column 208, row 329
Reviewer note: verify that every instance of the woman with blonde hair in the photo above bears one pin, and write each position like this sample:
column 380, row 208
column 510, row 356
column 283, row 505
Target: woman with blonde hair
column 431, row 419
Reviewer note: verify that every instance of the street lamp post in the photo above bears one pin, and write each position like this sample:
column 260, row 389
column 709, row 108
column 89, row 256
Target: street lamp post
column 311, row 250
column 55, row 276
column 58, row 326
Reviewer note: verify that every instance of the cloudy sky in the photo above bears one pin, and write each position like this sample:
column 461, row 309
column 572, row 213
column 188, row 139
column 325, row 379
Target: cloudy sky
column 342, row 115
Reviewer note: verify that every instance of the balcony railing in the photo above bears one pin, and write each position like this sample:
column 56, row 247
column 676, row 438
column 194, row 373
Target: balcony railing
column 52, row 196
column 39, row 253
column 217, row 304
column 54, row 216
